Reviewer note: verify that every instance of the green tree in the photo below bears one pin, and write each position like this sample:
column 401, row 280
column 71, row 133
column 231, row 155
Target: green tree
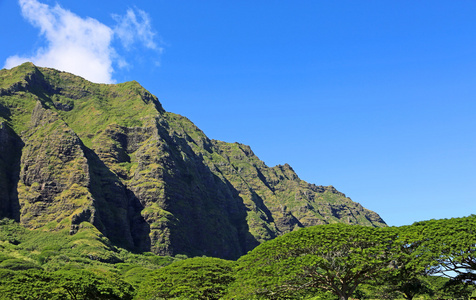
column 444, row 288
column 451, row 243
column 28, row 285
column 193, row 278
column 336, row 258
column 87, row 284
column 410, row 264
column 73, row 285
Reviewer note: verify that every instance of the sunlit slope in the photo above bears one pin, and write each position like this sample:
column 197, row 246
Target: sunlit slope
column 72, row 151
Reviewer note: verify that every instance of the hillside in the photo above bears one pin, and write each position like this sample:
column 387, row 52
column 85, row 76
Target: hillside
column 74, row 153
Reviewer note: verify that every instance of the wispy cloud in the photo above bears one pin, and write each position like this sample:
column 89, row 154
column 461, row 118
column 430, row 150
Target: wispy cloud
column 83, row 46
column 134, row 27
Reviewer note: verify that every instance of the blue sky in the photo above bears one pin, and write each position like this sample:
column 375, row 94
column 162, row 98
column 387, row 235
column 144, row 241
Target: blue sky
column 376, row 98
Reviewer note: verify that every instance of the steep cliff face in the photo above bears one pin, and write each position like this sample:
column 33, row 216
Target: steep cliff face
column 10, row 152
column 72, row 151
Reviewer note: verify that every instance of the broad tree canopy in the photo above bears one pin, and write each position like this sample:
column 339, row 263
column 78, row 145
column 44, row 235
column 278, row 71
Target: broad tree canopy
column 335, row 258
column 451, row 243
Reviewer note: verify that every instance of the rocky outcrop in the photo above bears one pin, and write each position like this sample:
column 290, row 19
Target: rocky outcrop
column 10, row 153
column 72, row 151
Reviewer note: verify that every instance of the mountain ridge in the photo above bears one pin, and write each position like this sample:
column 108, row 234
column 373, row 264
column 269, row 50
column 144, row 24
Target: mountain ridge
column 148, row 179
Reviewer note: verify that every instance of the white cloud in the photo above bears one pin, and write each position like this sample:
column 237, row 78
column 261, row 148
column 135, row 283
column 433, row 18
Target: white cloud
column 133, row 28
column 82, row 46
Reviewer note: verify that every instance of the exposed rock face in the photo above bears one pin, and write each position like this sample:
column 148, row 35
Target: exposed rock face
column 72, row 151
column 10, row 151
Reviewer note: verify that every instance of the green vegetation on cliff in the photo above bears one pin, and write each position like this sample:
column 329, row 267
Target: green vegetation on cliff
column 148, row 180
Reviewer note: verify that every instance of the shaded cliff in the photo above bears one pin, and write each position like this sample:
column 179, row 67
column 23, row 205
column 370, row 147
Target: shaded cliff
column 72, row 151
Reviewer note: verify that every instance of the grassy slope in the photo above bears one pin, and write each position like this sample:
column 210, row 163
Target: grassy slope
column 22, row 248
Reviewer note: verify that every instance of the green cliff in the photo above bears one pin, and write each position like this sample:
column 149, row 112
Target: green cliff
column 74, row 153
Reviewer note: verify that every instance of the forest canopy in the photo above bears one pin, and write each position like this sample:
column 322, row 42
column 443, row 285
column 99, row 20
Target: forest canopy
column 434, row 258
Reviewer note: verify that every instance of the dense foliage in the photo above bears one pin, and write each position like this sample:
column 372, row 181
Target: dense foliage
column 194, row 278
column 325, row 262
column 70, row 284
column 36, row 264
column 364, row 262
column 452, row 246
column 334, row 257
